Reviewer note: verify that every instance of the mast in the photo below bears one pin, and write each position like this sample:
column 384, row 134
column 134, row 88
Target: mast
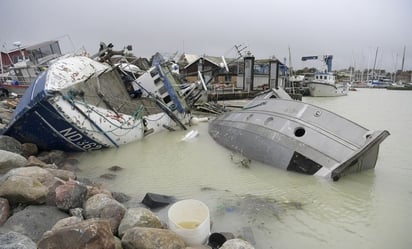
column 374, row 64
column 291, row 72
column 1, row 63
column 403, row 58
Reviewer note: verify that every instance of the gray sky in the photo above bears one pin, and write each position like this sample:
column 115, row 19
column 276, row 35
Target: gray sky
column 350, row 30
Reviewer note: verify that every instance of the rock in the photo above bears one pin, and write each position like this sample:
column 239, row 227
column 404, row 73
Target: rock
column 10, row 144
column 70, row 195
column 62, row 174
column 236, row 244
column 87, row 234
column 51, row 191
column 33, row 221
column 13, row 240
column 23, row 189
column 108, row 176
column 71, row 164
column 148, row 238
column 78, row 212
column 103, row 206
column 118, row 243
column 94, row 190
column 34, row 161
column 4, row 210
column 10, row 160
column 54, row 156
column 26, row 185
column 66, row 222
column 29, row 149
column 35, row 172
column 115, row 168
column 121, row 197
column 138, row 217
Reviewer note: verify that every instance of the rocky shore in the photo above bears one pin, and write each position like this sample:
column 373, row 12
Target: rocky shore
column 43, row 204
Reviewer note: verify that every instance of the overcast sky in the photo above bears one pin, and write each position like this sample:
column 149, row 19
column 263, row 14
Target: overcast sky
column 350, row 30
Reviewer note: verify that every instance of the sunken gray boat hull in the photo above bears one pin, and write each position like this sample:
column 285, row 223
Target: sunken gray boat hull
column 297, row 136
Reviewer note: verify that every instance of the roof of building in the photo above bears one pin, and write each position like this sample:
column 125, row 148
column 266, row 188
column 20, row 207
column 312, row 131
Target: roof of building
column 33, row 47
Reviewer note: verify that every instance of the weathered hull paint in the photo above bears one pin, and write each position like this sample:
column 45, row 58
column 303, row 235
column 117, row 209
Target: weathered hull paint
column 299, row 137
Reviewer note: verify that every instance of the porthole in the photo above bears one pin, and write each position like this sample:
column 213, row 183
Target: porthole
column 299, row 132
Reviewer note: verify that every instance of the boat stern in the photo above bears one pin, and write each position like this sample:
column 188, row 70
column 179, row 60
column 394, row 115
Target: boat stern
column 365, row 158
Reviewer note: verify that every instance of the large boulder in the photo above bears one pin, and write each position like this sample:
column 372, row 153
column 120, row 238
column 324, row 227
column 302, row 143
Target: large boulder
column 149, row 238
column 10, row 160
column 87, row 234
column 13, row 240
column 26, row 185
column 23, row 189
column 10, row 144
column 33, row 221
column 104, row 206
column 138, row 217
column 40, row 174
column 70, row 195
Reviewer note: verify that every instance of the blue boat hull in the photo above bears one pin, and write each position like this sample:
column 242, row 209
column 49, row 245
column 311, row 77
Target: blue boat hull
column 37, row 121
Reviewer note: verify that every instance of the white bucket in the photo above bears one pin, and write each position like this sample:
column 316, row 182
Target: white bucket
column 190, row 220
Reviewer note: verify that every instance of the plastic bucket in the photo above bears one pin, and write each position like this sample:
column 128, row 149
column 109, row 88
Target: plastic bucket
column 190, row 220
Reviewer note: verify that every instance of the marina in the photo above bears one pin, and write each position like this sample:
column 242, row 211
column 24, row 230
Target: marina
column 281, row 209
column 205, row 125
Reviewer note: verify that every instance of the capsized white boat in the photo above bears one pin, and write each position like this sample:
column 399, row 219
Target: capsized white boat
column 82, row 104
column 297, row 136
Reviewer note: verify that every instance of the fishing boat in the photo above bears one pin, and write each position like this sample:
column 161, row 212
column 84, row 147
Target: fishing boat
column 82, row 104
column 18, row 78
column 324, row 82
column 20, row 67
column 297, row 136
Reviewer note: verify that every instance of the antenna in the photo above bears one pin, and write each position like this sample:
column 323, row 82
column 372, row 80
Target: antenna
column 239, row 49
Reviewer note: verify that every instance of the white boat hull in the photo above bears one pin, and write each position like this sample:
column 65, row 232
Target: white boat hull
column 318, row 89
column 80, row 104
column 299, row 137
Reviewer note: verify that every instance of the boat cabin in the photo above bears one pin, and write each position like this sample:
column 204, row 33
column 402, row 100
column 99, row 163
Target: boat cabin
column 327, row 78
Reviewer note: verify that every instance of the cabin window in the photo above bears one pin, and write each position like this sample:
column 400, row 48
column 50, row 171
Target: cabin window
column 162, row 90
column 157, row 81
column 55, row 48
column 228, row 78
column 153, row 73
column 17, row 58
column 167, row 99
column 46, row 50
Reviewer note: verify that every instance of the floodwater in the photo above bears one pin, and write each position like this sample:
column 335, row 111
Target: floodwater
column 273, row 208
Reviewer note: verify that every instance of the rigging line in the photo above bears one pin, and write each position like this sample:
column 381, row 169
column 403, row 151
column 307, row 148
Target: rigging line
column 90, row 120
column 105, row 118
